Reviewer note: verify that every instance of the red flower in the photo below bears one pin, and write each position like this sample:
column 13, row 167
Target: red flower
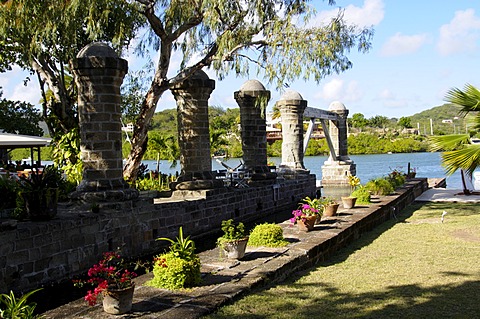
column 108, row 273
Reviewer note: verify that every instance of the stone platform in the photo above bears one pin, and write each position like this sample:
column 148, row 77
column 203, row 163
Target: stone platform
column 225, row 280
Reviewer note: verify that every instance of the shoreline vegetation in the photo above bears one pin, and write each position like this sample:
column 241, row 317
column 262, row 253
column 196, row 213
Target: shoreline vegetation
column 376, row 135
column 358, row 144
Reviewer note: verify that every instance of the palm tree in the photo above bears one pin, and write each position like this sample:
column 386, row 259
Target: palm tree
column 459, row 152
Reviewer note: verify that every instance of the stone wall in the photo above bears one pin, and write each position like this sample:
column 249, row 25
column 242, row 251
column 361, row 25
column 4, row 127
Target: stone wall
column 36, row 253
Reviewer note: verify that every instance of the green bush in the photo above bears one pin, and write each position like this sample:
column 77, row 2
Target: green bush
column 379, row 186
column 179, row 268
column 268, row 235
column 362, row 194
column 172, row 272
column 396, row 178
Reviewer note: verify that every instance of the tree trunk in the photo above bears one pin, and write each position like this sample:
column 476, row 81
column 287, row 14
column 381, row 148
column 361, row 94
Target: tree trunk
column 140, row 132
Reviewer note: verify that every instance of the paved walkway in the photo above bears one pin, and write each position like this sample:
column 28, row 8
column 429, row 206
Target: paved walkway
column 224, row 280
column 448, row 195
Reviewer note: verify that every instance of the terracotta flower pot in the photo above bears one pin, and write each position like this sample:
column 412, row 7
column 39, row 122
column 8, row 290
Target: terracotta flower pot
column 308, row 224
column 331, row 210
column 348, row 202
column 118, row 301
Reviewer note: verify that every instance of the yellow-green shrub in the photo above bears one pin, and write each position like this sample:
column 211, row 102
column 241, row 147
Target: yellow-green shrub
column 172, row 272
column 269, row 235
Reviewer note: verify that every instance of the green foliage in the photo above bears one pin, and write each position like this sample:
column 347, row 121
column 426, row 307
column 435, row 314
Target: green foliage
column 12, row 307
column 396, row 178
column 50, row 177
column 405, row 122
column 173, row 272
column 373, row 143
column 183, row 248
column 19, row 118
column 460, row 153
column 275, row 149
column 8, row 189
column 315, row 203
column 379, row 186
column 232, row 231
column 179, row 268
column 358, row 120
column 316, row 147
column 362, row 194
column 133, row 89
column 268, row 235
column 271, row 37
column 160, row 183
column 66, row 155
column 42, row 37
column 165, row 146
column 379, row 121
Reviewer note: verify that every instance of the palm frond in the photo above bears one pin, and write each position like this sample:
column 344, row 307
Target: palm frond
column 467, row 158
column 448, row 142
column 468, row 99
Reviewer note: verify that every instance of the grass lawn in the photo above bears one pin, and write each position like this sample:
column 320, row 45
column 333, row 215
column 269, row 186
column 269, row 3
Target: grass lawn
column 413, row 267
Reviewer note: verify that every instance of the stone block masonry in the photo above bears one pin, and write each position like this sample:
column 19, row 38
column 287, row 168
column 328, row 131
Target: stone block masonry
column 33, row 254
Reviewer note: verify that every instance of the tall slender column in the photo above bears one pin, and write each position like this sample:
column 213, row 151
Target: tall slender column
column 252, row 99
column 292, row 106
column 193, row 132
column 99, row 72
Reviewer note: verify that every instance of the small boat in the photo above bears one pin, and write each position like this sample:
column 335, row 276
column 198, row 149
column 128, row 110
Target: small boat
column 475, row 140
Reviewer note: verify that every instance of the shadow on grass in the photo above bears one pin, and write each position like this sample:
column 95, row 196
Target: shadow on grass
column 405, row 301
column 458, row 300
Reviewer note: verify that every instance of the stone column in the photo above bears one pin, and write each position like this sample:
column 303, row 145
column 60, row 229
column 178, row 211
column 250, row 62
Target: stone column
column 335, row 171
column 193, row 132
column 250, row 98
column 292, row 106
column 99, row 72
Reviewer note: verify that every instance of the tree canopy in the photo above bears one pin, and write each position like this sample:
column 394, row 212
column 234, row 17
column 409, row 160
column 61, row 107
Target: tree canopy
column 19, row 118
column 270, row 37
column 42, row 37
column 276, row 39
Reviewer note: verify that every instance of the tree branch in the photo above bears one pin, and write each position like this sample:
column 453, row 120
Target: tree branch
column 155, row 22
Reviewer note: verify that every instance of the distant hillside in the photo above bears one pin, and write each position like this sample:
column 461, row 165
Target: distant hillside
column 438, row 114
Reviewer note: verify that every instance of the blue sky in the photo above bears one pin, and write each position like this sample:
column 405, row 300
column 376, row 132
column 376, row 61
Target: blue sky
column 420, row 49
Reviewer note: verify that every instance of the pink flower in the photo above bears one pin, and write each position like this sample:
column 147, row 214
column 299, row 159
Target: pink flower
column 108, row 273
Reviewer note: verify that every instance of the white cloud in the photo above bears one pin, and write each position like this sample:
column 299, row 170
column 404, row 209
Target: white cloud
column 400, row 44
column 338, row 90
column 14, row 90
column 29, row 93
column 461, row 34
column 370, row 14
column 390, row 100
column 386, row 94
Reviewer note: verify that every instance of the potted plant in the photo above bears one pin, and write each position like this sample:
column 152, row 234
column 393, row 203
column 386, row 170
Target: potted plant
column 305, row 217
column 113, row 281
column 315, row 204
column 234, row 240
column 178, row 268
column 330, row 206
column 39, row 192
column 349, row 201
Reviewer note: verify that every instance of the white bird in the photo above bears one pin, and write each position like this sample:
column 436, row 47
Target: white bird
column 443, row 215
